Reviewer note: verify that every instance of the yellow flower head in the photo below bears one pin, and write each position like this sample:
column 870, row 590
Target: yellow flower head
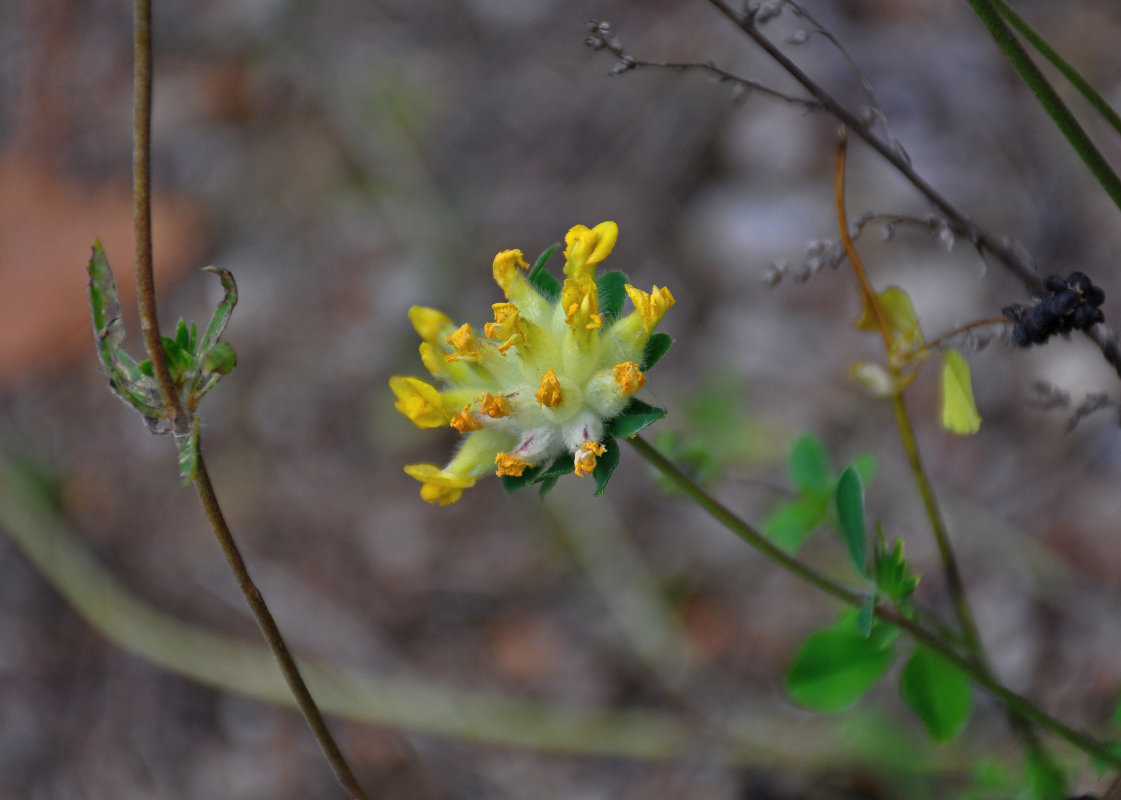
column 552, row 378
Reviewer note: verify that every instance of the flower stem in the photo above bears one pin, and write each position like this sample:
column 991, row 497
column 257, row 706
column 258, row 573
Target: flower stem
column 1015, row 703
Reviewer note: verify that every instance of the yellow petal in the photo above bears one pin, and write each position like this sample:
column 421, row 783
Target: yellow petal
column 420, row 402
column 429, row 322
column 585, row 247
column 651, row 307
column 506, row 266
column 959, row 412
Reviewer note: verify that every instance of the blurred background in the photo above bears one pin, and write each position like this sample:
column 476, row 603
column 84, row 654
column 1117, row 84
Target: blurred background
column 347, row 160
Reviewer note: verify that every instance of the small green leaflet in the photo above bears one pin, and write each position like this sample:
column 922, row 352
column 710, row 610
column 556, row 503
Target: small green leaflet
column 938, row 692
column 850, row 517
column 835, row 666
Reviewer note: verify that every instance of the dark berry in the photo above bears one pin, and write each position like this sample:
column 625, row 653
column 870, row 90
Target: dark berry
column 1021, row 336
column 1084, row 317
column 1080, row 281
column 1061, row 304
column 1065, row 325
column 1013, row 312
column 1055, row 284
column 1095, row 296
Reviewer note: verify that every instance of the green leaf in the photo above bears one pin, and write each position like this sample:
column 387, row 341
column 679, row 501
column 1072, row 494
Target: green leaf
column 850, row 516
column 1045, row 780
column 632, row 419
column 189, row 453
column 938, row 692
column 127, row 379
column 866, row 466
column 606, row 465
column 809, row 466
column 221, row 316
column 656, row 347
column 866, row 616
column 183, row 337
column 541, row 279
column 959, row 412
column 219, row 360
column 791, row 524
column 611, row 295
column 834, row 667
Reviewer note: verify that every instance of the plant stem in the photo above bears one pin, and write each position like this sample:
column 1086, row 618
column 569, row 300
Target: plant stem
column 981, row 677
column 990, row 17
column 950, row 570
column 142, row 213
column 181, row 423
column 273, row 637
column 1092, row 96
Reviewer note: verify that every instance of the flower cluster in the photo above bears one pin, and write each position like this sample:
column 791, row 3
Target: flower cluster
column 547, row 377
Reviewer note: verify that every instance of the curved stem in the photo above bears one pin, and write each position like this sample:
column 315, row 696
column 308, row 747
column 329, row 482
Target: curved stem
column 181, row 422
column 272, row 634
column 1014, row 702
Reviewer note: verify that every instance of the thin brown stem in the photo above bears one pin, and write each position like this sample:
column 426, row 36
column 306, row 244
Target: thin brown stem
column 958, row 331
column 273, row 637
column 142, row 214
column 181, row 423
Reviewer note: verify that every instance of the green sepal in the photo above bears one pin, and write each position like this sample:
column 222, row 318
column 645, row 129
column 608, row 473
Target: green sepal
column 891, row 571
column 656, row 347
column 611, row 295
column 541, row 279
column 835, row 666
column 850, row 518
column 633, row 418
column 606, row 464
column 513, row 483
column 938, row 692
column 189, row 453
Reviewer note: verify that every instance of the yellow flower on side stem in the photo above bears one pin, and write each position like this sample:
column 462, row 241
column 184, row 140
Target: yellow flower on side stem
column 554, row 374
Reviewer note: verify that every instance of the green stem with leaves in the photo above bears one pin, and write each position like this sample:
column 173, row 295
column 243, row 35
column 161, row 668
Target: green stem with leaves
column 181, row 423
column 1014, row 702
